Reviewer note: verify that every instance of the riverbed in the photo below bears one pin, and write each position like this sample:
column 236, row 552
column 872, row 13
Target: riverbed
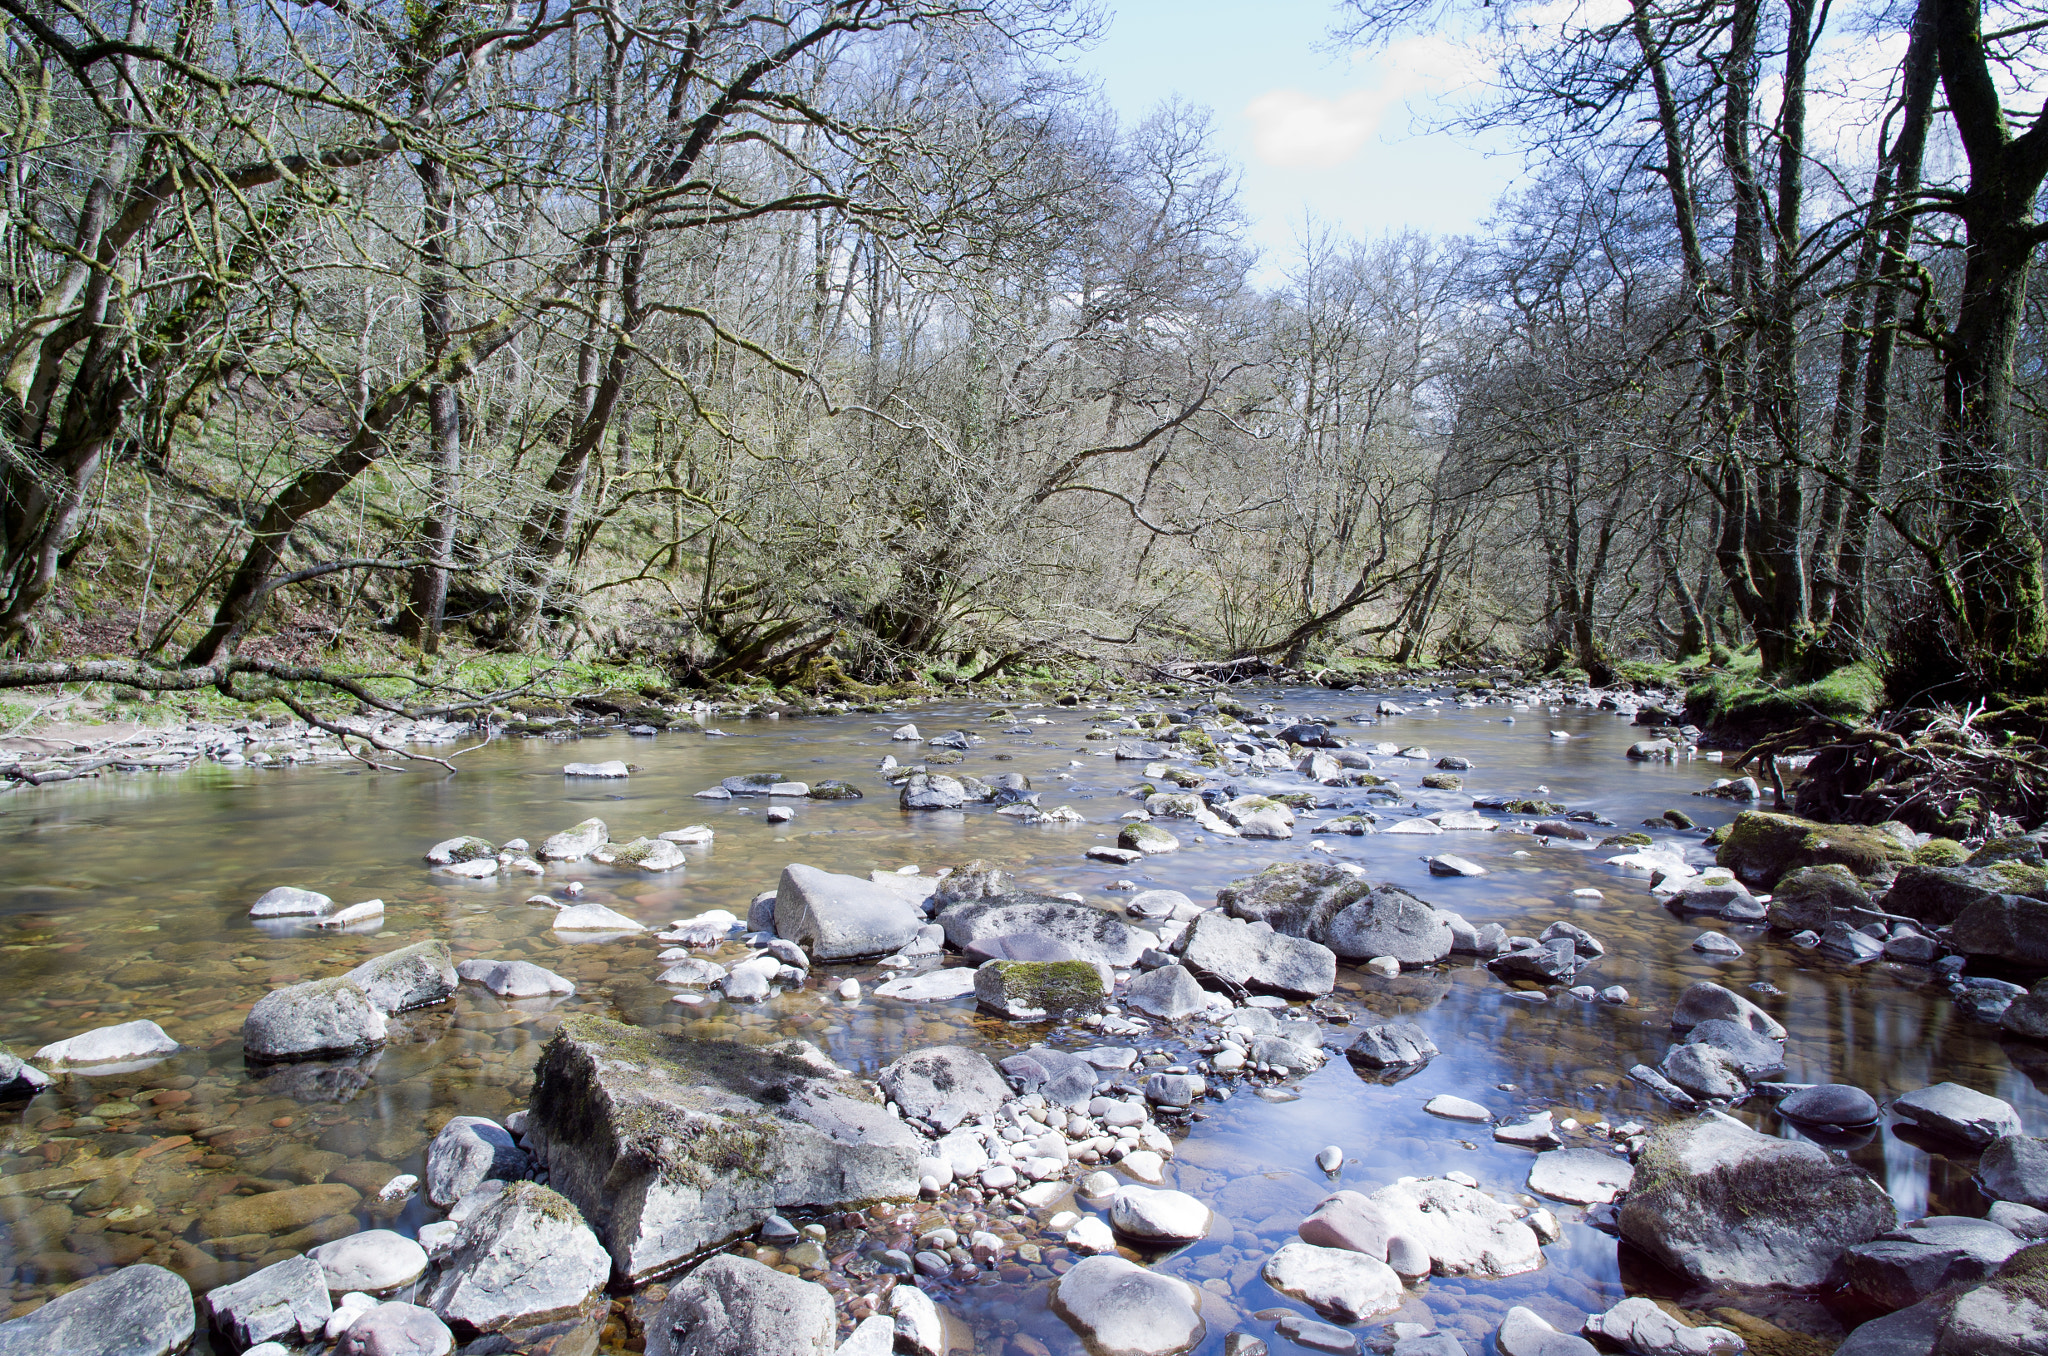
column 126, row 897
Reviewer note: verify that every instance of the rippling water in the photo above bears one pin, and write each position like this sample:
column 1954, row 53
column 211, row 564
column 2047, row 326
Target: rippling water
column 126, row 897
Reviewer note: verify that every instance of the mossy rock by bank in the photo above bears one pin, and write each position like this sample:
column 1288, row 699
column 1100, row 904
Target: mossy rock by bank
column 1737, row 698
column 1761, row 846
column 1941, row 852
column 1028, row 990
column 1627, row 842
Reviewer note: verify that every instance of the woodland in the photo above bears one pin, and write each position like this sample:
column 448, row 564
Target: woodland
column 854, row 342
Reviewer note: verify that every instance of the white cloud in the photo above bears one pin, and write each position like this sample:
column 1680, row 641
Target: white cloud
column 1292, row 129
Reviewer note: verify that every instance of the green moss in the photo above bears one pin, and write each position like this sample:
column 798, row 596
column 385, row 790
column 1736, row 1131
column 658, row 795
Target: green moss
column 1183, row 777
column 1738, row 695
column 1941, row 852
column 1626, row 841
column 1533, row 807
column 1762, row 846
column 1997, row 850
column 1443, row 781
column 1054, row 986
column 2019, row 878
column 2025, row 1274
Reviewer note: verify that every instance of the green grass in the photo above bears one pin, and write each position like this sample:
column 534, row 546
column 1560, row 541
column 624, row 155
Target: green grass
column 1738, row 694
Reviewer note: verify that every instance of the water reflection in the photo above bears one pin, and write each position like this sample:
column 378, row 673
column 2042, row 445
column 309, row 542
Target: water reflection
column 126, row 898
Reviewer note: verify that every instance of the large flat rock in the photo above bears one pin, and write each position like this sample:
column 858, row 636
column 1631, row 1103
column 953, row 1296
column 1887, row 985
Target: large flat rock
column 837, row 918
column 1094, row 934
column 673, row 1147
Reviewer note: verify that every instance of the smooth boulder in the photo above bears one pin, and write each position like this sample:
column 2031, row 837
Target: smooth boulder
column 1722, row 1204
column 736, row 1306
column 1348, row 1286
column 523, row 1258
column 1253, row 956
column 944, row 1085
column 840, row 918
column 1120, row 1309
column 468, row 1152
column 1095, row 934
column 142, row 1310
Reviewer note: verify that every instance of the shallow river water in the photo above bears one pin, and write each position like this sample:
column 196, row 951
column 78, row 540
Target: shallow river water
column 127, row 897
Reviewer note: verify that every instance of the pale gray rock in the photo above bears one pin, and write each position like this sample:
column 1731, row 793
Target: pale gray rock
column 932, row 791
column 1063, row 1079
column 410, row 977
column 319, row 1017
column 517, row 979
column 1158, row 1216
column 1325, row 904
column 2021, row 1221
column 576, row 843
column 1905, row 1266
column 396, row 1329
column 1523, row 1332
column 2015, row 1168
column 524, row 1258
column 284, row 1302
column 287, row 901
column 1639, row 1326
column 468, row 848
column 1091, row 933
column 944, row 1085
column 1178, row 1091
column 19, row 1080
column 1465, row 1231
column 641, row 854
column 468, row 1152
column 1705, row 1071
column 1456, row 1108
column 1706, row 1001
column 1253, row 956
column 1349, row 1286
column 611, row 769
column 2006, row 1316
column 735, row 1306
column 123, row 1044
column 1348, row 1220
column 1388, row 1045
column 1722, row 1204
column 142, row 1310
column 1581, row 1176
column 919, row 1330
column 672, row 1147
column 1909, row 1332
column 1753, row 1056
column 374, row 1261
column 1169, row 992
column 1955, row 1112
column 875, row 1335
column 1120, row 1309
column 838, row 918
column 594, row 922
column 933, row 986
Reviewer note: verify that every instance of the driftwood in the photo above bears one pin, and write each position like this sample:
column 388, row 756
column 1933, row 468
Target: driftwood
column 1954, row 772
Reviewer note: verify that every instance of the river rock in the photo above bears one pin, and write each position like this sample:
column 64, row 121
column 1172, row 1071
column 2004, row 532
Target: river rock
column 642, row 854
column 933, row 986
column 1465, row 1231
column 525, row 1257
column 1120, row 1309
column 1707, row 1001
column 594, row 921
column 672, row 1147
column 1348, row 1286
column 1095, row 934
column 735, row 1306
column 1523, row 1332
column 277, row 1212
column 919, row 1330
column 1063, row 1079
column 574, row 844
column 1169, row 992
column 396, row 1329
column 1830, row 1104
column 1254, row 956
column 1149, row 839
column 613, row 768
column 932, row 791
column 467, row 848
column 1905, row 1266
column 944, row 1085
column 1955, row 1112
column 837, row 918
column 1456, row 1108
column 286, row 901
column 517, row 979
column 2006, row 1316
column 410, row 977
column 1909, row 1332
column 1325, row 904
column 2009, row 928
column 1158, row 1216
column 1704, row 1071
column 19, row 1080
column 1638, row 1325
column 1388, row 1045
column 319, row 1017
column 1581, row 1176
column 468, row 1152
column 1722, row 1204
column 1348, row 1220
column 373, row 1261
column 1760, row 847
column 284, row 1302
column 2015, row 1168
column 1938, row 895
column 1753, row 1056
column 1033, row 990
column 122, row 1044
column 141, row 1310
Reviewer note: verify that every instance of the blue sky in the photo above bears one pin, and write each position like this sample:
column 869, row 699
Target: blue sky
column 1338, row 137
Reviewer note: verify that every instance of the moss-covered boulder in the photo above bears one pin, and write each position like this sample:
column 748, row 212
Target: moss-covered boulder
column 1938, row 895
column 1443, row 781
column 1150, row 839
column 1761, row 846
column 1721, row 1204
column 672, row 1147
column 1030, row 990
column 2006, row 1315
column 1941, row 852
column 1814, row 896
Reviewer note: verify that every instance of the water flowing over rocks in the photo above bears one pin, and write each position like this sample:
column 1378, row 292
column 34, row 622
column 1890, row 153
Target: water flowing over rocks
column 672, row 1147
column 1719, row 1203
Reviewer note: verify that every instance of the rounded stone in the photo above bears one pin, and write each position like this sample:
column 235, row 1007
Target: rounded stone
column 1830, row 1104
column 375, row 1260
column 1120, row 1309
column 397, row 1330
column 1167, row 1216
